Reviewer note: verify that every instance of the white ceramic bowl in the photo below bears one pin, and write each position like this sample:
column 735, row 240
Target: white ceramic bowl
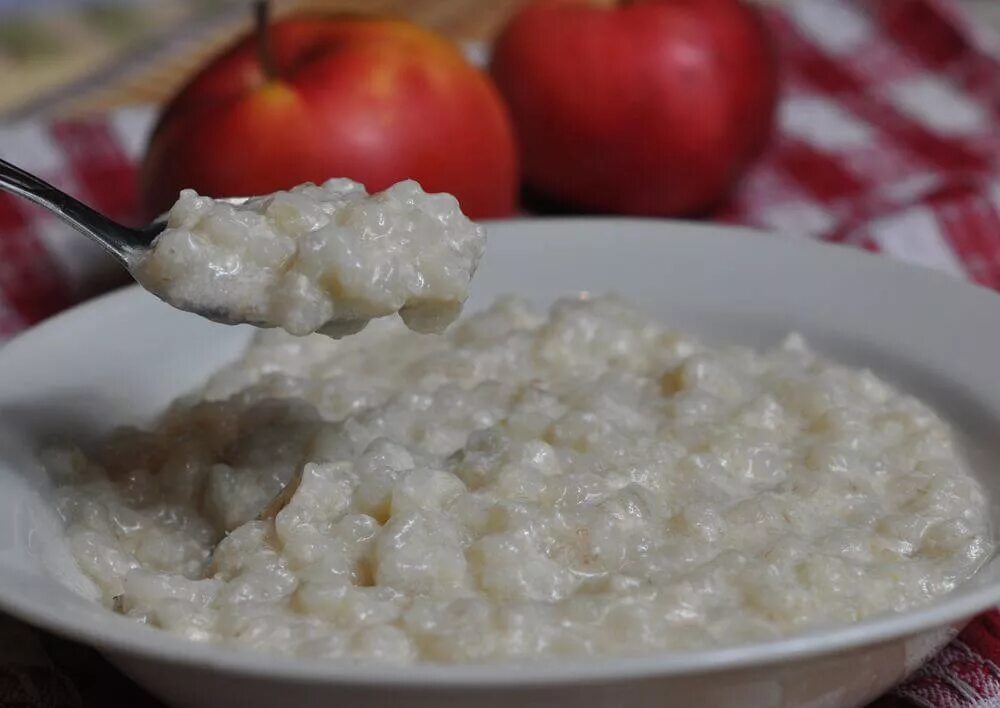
column 123, row 357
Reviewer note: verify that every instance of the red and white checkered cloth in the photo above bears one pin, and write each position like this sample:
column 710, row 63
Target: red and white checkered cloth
column 888, row 139
column 889, row 135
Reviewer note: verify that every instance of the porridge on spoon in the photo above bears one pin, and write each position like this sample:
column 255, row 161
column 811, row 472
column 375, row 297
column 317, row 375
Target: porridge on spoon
column 324, row 258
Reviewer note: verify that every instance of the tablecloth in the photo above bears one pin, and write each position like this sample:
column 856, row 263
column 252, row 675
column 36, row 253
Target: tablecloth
column 888, row 139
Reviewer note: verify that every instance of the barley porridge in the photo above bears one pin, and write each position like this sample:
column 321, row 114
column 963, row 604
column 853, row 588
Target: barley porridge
column 325, row 258
column 578, row 483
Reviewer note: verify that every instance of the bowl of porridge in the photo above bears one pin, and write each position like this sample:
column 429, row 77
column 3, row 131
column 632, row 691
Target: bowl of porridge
column 650, row 459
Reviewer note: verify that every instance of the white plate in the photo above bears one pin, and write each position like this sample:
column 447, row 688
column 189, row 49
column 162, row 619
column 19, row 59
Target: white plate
column 123, row 357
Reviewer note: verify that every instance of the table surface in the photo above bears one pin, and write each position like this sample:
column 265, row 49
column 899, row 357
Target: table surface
column 89, row 58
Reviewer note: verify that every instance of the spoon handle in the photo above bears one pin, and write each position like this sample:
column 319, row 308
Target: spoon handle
column 120, row 241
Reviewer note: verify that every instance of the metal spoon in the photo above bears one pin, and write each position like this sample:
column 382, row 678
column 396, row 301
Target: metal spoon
column 126, row 245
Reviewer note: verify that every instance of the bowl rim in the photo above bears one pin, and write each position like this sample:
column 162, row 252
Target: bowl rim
column 121, row 636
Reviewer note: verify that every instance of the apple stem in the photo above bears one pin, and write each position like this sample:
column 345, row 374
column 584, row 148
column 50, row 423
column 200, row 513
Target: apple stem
column 261, row 9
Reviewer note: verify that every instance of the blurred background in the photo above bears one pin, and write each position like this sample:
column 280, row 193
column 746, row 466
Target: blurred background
column 74, row 57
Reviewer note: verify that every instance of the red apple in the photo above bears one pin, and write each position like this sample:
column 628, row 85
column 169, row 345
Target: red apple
column 651, row 107
column 375, row 100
